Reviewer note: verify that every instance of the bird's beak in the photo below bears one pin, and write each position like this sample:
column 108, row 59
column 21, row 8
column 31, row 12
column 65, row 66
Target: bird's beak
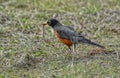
column 45, row 23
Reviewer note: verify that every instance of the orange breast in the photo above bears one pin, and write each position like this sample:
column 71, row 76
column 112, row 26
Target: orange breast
column 65, row 41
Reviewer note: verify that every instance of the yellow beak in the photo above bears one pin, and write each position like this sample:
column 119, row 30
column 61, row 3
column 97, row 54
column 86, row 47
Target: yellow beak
column 45, row 23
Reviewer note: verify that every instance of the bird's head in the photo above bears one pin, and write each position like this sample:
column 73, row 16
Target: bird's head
column 51, row 22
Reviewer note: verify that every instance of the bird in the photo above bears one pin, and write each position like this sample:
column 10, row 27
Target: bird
column 68, row 35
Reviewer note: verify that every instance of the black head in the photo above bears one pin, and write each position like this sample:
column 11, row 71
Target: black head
column 53, row 22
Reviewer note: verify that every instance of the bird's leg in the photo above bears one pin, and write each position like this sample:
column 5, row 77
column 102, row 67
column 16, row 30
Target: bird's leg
column 69, row 49
column 74, row 51
column 69, row 52
column 73, row 54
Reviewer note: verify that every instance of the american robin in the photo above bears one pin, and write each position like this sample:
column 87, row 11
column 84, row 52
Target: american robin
column 68, row 35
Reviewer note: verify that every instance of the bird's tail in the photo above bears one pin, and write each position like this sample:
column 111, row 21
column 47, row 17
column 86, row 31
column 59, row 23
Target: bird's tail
column 87, row 41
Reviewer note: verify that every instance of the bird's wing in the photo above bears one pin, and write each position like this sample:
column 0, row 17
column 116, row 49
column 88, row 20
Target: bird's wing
column 69, row 33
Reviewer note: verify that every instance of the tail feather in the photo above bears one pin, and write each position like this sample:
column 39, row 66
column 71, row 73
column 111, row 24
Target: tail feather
column 87, row 41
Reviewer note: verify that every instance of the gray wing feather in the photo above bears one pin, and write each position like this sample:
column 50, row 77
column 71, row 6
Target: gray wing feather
column 69, row 33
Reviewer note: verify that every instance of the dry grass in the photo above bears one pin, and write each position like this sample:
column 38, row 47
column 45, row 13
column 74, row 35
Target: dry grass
column 24, row 53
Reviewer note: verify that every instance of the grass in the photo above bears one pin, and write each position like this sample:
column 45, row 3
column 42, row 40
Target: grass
column 24, row 53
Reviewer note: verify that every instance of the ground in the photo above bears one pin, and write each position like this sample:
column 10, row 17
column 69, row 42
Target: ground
column 25, row 53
